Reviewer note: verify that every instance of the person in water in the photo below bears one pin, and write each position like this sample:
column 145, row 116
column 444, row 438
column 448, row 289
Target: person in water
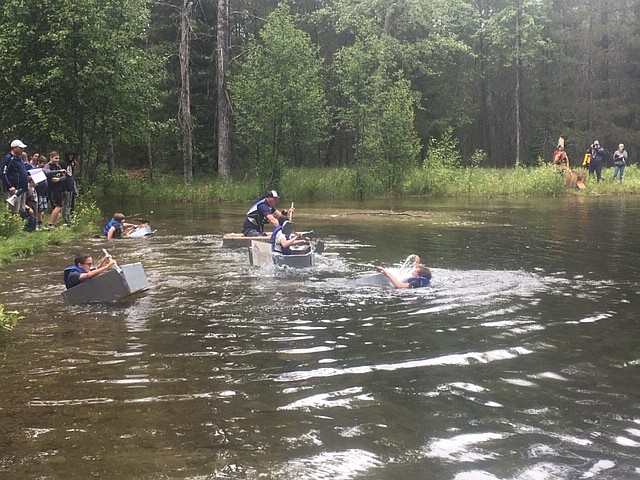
column 83, row 270
column 282, row 244
column 117, row 227
column 420, row 276
column 262, row 212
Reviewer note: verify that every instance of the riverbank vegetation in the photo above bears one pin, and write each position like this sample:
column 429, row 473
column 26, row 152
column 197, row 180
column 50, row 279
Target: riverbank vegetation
column 342, row 183
column 16, row 243
column 252, row 89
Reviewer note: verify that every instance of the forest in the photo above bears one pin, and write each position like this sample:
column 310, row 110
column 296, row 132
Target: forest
column 246, row 88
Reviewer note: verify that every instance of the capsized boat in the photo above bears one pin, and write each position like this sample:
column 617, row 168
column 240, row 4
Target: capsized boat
column 142, row 230
column 261, row 255
column 110, row 286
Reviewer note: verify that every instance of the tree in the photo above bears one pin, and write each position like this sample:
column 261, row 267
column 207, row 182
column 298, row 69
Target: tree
column 224, row 127
column 184, row 111
column 78, row 74
column 279, row 103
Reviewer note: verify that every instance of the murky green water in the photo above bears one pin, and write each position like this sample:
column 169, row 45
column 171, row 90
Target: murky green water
column 522, row 361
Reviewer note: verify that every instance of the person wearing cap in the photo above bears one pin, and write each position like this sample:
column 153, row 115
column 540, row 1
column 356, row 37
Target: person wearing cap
column 14, row 176
column 262, row 212
column 620, row 158
column 597, row 159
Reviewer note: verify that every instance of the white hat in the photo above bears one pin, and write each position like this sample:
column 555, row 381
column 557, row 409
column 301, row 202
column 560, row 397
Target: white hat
column 272, row 193
column 18, row 143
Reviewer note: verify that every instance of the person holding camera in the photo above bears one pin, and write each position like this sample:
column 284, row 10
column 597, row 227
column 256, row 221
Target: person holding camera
column 597, row 159
column 620, row 158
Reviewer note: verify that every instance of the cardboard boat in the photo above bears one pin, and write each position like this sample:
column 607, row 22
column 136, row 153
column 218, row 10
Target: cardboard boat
column 238, row 240
column 261, row 255
column 110, row 286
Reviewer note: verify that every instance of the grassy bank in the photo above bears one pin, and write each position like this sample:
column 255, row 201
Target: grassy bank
column 16, row 243
column 308, row 183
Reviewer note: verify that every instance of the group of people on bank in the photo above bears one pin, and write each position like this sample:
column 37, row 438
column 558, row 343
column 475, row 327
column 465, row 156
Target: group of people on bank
column 594, row 160
column 30, row 195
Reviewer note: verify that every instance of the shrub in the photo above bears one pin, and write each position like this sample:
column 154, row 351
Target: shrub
column 8, row 319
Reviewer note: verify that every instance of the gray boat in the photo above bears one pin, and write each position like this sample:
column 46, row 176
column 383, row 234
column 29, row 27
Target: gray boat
column 261, row 255
column 111, row 286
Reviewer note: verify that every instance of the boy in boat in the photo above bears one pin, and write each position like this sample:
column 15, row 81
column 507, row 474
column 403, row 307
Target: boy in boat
column 117, row 227
column 420, row 276
column 83, row 270
column 283, row 244
column 261, row 213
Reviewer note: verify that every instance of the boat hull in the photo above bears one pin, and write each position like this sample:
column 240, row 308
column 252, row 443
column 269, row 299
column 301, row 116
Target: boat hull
column 110, row 286
column 261, row 255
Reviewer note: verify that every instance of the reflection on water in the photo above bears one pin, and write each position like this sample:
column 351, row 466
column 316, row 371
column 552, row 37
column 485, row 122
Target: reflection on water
column 518, row 362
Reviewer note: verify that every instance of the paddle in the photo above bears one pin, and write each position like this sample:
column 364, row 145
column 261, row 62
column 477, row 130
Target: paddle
column 106, row 254
column 287, row 229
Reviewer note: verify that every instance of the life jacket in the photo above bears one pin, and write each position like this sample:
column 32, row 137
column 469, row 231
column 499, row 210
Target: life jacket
column 274, row 246
column 113, row 223
column 254, row 216
column 72, row 268
column 418, row 282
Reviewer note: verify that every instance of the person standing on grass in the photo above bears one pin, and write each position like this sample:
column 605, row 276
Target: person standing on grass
column 620, row 158
column 56, row 178
column 14, row 176
column 597, row 159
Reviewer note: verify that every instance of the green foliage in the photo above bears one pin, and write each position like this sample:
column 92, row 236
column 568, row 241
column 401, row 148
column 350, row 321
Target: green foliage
column 10, row 223
column 76, row 72
column 279, row 102
column 443, row 152
column 379, row 112
column 8, row 319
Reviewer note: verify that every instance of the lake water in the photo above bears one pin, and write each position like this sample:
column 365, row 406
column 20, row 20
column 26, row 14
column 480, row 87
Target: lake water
column 521, row 361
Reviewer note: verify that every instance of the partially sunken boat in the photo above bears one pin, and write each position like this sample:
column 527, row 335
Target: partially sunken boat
column 111, row 286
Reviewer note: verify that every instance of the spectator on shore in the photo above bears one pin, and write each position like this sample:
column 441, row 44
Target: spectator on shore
column 597, row 159
column 57, row 181
column 14, row 177
column 620, row 158
column 42, row 190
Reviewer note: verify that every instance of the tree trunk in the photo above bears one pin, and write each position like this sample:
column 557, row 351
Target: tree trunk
column 111, row 155
column 186, row 122
column 518, row 92
column 224, row 141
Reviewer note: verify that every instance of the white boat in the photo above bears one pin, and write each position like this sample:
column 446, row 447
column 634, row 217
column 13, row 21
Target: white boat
column 261, row 255
column 110, row 286
column 142, row 230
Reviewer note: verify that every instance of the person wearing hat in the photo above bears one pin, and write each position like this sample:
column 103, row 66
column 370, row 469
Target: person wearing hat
column 597, row 159
column 15, row 178
column 262, row 212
